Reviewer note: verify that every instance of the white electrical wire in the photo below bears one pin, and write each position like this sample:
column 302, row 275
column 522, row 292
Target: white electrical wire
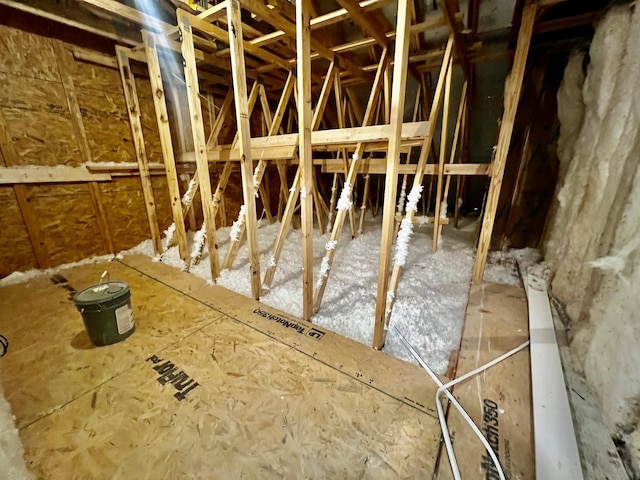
column 443, row 422
column 443, row 388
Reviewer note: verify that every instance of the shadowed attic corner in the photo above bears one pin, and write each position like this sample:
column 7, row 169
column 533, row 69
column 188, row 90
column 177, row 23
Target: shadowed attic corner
column 312, row 203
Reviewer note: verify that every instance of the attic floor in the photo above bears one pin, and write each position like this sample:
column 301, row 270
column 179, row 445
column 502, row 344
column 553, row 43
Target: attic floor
column 276, row 397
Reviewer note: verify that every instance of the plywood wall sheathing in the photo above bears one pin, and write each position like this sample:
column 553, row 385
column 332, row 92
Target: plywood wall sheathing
column 38, row 120
column 13, row 231
column 66, row 214
column 21, row 195
column 59, row 111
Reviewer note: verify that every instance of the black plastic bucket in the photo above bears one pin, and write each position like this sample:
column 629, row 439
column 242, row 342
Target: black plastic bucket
column 106, row 312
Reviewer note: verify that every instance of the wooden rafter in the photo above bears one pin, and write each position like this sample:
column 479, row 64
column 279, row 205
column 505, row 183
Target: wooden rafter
column 219, row 34
column 349, row 182
column 131, row 14
column 303, row 47
column 512, row 98
column 323, row 20
column 162, row 118
column 293, row 194
column 281, row 23
column 199, row 142
column 387, row 287
column 274, row 127
column 100, row 27
column 401, row 59
column 368, row 24
column 135, row 120
column 237, row 45
column 441, row 160
column 451, row 10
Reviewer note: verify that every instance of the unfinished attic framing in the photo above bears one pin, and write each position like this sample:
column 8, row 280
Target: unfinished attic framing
column 255, row 144
column 353, row 150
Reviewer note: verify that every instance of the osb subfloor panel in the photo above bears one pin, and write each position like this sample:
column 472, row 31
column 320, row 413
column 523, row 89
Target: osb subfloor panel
column 499, row 399
column 275, row 397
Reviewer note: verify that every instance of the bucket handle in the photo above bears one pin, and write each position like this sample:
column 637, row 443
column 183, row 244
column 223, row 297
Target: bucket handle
column 104, row 274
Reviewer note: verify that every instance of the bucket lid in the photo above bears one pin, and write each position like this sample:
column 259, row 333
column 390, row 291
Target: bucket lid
column 101, row 293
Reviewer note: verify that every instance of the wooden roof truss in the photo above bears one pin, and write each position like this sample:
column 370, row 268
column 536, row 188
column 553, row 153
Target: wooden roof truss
column 216, row 42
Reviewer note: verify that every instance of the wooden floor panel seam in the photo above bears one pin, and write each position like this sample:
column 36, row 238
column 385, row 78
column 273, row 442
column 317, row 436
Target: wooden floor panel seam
column 275, row 338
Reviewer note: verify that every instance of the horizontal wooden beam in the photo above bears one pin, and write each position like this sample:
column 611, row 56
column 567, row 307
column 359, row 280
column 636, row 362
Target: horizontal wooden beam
column 348, row 136
column 281, row 147
column 223, row 36
column 281, row 153
column 323, row 20
column 91, row 56
column 434, row 22
column 367, row 24
column 565, row 23
column 130, row 14
column 377, row 166
column 549, row 3
column 109, row 61
column 373, row 133
column 64, row 20
column 225, row 153
column 345, row 136
column 115, row 167
column 130, row 169
column 59, row 174
column 258, row 8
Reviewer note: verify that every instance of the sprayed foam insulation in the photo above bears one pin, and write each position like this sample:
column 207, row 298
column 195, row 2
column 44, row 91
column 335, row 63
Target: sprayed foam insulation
column 592, row 241
column 233, row 197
